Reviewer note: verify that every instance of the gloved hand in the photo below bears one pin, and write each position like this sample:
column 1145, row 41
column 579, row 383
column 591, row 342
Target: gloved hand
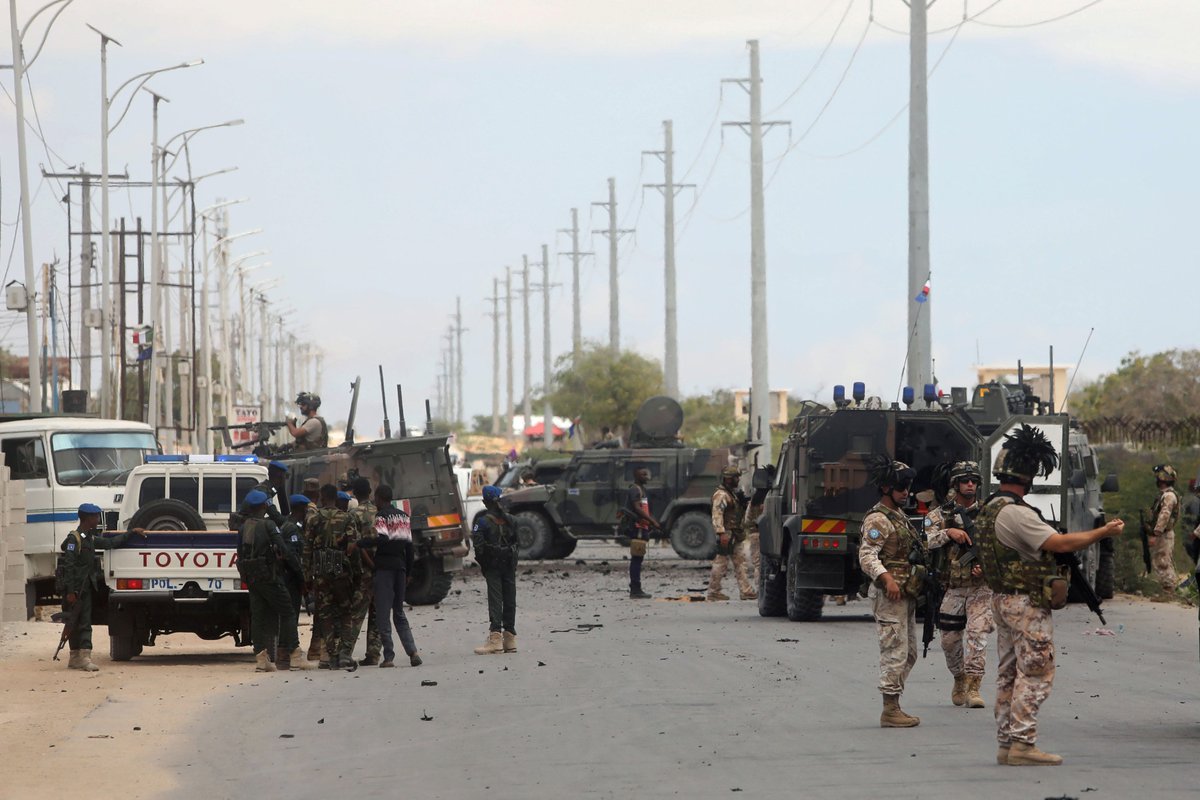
column 724, row 540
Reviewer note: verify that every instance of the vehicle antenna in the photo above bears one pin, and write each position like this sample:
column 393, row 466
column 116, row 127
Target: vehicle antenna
column 400, row 404
column 1071, row 382
column 1052, row 379
column 428, row 419
column 387, row 426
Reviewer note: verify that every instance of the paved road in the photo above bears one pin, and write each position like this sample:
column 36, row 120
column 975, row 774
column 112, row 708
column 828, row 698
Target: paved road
column 683, row 699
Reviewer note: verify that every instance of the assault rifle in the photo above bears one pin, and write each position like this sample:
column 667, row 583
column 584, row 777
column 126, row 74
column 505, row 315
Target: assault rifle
column 1078, row 582
column 1144, row 530
column 931, row 588
column 263, row 431
column 70, row 620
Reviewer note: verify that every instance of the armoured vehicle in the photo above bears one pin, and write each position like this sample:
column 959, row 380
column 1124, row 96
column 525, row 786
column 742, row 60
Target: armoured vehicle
column 583, row 500
column 820, row 494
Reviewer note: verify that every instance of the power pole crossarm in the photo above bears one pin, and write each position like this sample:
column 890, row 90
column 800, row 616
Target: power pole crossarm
column 614, row 235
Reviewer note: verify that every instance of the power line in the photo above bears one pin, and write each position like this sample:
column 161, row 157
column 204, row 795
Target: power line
column 966, row 18
column 1079, row 10
column 820, row 58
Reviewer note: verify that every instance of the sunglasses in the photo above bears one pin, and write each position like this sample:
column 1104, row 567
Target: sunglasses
column 973, row 480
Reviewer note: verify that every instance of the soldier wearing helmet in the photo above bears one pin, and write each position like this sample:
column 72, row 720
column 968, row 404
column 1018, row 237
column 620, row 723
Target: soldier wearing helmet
column 967, row 603
column 312, row 433
column 1164, row 515
column 727, row 513
column 1017, row 548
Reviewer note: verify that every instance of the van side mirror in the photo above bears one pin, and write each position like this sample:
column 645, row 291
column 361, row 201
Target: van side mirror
column 1078, row 479
column 1111, row 484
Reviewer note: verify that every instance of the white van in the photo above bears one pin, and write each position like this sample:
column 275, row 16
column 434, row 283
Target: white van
column 65, row 462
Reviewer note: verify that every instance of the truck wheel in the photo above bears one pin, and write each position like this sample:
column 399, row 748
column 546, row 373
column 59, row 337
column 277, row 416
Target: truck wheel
column 803, row 605
column 1106, row 571
column 692, row 536
column 122, row 647
column 562, row 547
column 429, row 585
column 772, row 590
column 534, row 536
column 167, row 515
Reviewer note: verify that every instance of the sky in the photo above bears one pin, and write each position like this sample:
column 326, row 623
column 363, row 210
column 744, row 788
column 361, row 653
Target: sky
column 399, row 154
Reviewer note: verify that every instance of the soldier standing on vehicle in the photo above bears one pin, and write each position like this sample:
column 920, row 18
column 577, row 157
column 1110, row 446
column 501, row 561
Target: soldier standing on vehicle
column 1017, row 548
column 636, row 523
column 81, row 579
column 967, row 603
column 1164, row 515
column 330, row 569
column 364, row 608
column 312, row 433
column 261, row 552
column 727, row 525
column 494, row 537
column 293, row 536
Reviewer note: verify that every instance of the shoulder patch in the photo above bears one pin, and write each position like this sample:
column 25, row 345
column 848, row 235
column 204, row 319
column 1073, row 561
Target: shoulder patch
column 475, row 529
column 70, row 545
column 874, row 534
column 928, row 522
column 295, row 538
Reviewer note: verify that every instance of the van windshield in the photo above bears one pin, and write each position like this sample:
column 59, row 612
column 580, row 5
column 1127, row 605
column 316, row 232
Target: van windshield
column 99, row 459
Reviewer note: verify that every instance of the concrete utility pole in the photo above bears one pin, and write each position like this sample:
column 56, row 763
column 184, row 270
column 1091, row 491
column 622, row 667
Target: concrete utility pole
column 458, row 360
column 920, row 369
column 527, row 403
column 575, row 254
column 495, row 315
column 508, row 343
column 759, row 383
column 87, row 260
column 450, row 382
column 614, row 236
column 669, row 189
column 157, row 270
column 547, row 368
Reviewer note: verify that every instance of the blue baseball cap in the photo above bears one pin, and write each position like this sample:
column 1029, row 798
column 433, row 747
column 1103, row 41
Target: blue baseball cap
column 491, row 492
column 255, row 497
column 299, row 500
column 343, row 496
column 89, row 508
column 278, row 465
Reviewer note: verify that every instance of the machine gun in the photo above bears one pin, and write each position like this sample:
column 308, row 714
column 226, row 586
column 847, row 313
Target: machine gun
column 263, row 431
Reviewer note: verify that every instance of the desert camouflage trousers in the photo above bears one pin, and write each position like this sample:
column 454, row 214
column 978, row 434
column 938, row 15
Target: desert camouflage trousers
column 969, row 609
column 896, row 625
column 1025, row 636
column 1162, row 557
column 720, row 567
column 755, row 556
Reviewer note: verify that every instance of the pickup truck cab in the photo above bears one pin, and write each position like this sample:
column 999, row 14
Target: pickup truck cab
column 182, row 577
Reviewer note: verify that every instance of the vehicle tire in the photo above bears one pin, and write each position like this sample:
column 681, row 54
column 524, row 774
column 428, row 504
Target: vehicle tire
column 429, row 585
column 1106, row 571
column 803, row 605
column 772, row 589
column 124, row 646
column 692, row 536
column 167, row 515
column 562, row 547
column 535, row 537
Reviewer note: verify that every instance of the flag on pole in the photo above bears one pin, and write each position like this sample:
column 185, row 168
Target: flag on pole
column 924, row 294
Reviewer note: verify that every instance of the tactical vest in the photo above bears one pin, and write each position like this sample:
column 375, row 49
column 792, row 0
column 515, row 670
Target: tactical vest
column 257, row 559
column 319, row 443
column 730, row 518
column 1003, row 568
column 328, row 559
column 1157, row 507
column 958, row 575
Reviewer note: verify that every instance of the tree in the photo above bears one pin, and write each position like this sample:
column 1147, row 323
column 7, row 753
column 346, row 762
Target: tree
column 708, row 420
column 1161, row 386
column 604, row 388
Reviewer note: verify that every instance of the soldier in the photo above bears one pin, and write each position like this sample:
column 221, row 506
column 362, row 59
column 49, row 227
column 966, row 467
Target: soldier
column 312, row 490
column 1164, row 514
column 637, row 523
column 365, row 511
column 260, row 551
column 293, row 536
column 391, row 538
column 727, row 525
column 495, row 539
column 1017, row 548
column 312, row 433
column 754, row 510
column 883, row 555
column 82, row 577
column 967, row 603
column 274, row 486
column 327, row 566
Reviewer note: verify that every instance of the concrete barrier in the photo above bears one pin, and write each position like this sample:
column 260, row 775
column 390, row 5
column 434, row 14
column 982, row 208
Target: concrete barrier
column 12, row 547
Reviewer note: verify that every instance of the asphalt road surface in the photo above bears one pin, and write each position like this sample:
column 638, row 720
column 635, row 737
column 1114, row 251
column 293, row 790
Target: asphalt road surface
column 612, row 698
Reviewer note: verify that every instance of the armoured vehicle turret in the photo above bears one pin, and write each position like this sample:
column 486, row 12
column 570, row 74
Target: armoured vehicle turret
column 809, row 531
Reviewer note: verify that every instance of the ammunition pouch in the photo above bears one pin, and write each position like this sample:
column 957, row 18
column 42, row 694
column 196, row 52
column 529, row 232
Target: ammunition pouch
column 329, row 563
column 255, row 570
column 637, row 547
column 1054, row 591
column 914, row 584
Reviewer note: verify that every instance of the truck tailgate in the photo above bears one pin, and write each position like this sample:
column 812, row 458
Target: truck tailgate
column 183, row 566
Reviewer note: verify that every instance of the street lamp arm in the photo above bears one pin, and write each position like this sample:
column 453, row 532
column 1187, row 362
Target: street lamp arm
column 187, row 136
column 128, row 104
column 205, row 212
column 199, row 178
column 46, row 34
column 147, row 74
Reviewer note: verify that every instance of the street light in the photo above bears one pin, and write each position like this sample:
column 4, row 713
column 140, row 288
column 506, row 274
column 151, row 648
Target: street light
column 106, row 102
column 204, row 374
column 226, row 344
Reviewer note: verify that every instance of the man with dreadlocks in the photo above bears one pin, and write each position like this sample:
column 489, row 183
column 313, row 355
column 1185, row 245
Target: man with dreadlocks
column 1017, row 548
column 888, row 538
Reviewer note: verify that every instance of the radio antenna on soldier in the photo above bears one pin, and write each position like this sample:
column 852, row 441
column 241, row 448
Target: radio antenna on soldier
column 1071, row 382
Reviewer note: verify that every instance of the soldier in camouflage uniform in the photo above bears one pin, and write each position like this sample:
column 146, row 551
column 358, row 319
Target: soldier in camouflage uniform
column 365, row 511
column 754, row 510
column 330, row 570
column 967, row 602
column 883, row 555
column 261, row 556
column 1164, row 515
column 1017, row 548
column 312, row 490
column 727, row 525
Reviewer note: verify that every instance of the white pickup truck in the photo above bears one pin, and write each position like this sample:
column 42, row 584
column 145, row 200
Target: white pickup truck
column 182, row 577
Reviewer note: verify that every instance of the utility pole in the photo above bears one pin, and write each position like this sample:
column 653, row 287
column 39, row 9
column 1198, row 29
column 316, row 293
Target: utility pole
column 759, row 383
column 547, row 374
column 575, row 254
column 508, row 414
column 614, row 235
column 87, row 260
column 458, row 360
column 450, row 386
column 920, row 370
column 669, row 189
column 495, row 315
column 527, row 403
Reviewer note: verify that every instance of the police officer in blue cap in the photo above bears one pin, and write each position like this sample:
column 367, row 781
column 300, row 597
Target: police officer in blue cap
column 274, row 486
column 261, row 556
column 81, row 578
column 495, row 539
column 293, row 534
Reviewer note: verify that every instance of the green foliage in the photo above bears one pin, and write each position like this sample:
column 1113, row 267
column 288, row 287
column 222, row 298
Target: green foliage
column 708, row 420
column 1161, row 386
column 604, row 388
column 481, row 423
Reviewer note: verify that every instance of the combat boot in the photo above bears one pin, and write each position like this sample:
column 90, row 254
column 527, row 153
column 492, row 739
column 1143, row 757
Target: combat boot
column 73, row 662
column 262, row 663
column 716, row 596
column 283, row 659
column 368, row 661
column 300, row 661
column 415, row 660
column 1023, row 754
column 958, row 695
column 510, row 642
column 974, row 699
column 749, row 594
column 893, row 716
column 1002, row 754
column 85, row 661
column 636, row 593
column 316, row 646
column 493, row 645
column 345, row 662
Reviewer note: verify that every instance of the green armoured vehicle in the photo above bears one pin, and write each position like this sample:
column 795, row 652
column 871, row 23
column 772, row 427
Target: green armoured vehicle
column 809, row 530
column 582, row 501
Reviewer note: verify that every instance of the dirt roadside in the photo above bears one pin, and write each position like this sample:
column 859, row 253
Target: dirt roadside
column 52, row 736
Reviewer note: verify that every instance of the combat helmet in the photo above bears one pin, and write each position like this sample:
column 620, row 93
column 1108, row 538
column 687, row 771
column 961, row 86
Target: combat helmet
column 886, row 471
column 965, row 469
column 731, row 472
column 308, row 399
column 1165, row 473
column 1025, row 454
